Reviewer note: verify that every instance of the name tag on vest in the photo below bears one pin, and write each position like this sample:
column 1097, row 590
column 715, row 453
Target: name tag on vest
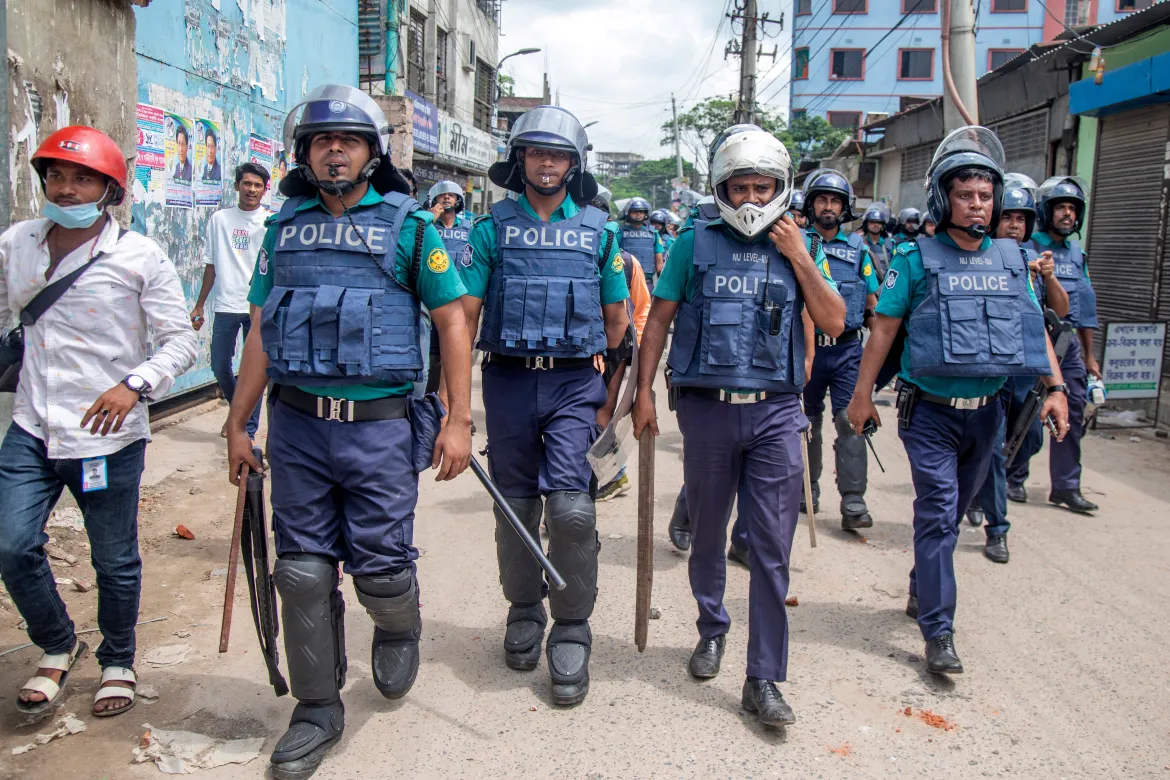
column 968, row 282
column 549, row 237
column 332, row 235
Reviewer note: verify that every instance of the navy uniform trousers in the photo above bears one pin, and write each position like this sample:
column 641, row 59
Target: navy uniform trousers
column 1064, row 458
column 540, row 424
column 834, row 369
column 343, row 490
column 949, row 451
column 750, row 452
column 992, row 497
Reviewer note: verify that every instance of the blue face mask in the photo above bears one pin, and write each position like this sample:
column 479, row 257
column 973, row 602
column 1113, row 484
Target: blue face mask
column 73, row 217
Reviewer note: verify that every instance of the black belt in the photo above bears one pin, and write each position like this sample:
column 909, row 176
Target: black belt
column 712, row 394
column 539, row 362
column 340, row 409
column 955, row 403
column 846, row 337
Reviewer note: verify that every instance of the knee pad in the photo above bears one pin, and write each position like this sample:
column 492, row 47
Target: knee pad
column 852, row 464
column 313, row 614
column 520, row 575
column 572, row 547
column 814, row 447
column 391, row 601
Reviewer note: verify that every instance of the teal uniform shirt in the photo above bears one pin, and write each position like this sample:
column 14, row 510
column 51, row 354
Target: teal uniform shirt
column 485, row 254
column 438, row 282
column 867, row 270
column 1044, row 241
column 903, row 292
column 678, row 283
column 666, row 241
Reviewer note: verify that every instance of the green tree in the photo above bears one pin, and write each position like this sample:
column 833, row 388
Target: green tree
column 650, row 179
column 507, row 85
column 812, row 138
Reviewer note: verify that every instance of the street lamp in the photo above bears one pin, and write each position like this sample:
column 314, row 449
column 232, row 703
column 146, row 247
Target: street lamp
column 496, row 102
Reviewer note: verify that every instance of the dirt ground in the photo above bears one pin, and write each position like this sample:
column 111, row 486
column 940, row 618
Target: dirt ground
column 1064, row 647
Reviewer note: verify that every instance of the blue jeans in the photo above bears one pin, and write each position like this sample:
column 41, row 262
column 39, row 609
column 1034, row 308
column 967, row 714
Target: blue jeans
column 30, row 484
column 223, row 347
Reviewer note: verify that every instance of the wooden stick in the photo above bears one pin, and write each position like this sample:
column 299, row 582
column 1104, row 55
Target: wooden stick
column 808, row 496
column 645, row 538
column 229, row 592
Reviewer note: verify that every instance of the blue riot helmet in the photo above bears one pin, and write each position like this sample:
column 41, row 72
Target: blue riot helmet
column 796, row 204
column 547, row 127
column 603, row 199
column 1020, row 199
column 1060, row 189
column 446, row 187
column 968, row 147
column 636, row 204
column 659, row 217
column 1020, row 181
column 877, row 212
column 827, row 181
column 339, row 108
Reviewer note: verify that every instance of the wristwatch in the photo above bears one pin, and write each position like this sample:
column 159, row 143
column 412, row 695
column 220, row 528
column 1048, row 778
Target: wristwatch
column 1061, row 388
column 137, row 384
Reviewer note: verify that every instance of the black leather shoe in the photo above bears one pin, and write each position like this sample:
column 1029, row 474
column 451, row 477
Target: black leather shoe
column 975, row 516
column 742, row 557
column 763, row 698
column 708, row 655
column 996, row 549
column 912, row 607
column 941, row 657
column 1017, row 493
column 680, row 525
column 1072, row 499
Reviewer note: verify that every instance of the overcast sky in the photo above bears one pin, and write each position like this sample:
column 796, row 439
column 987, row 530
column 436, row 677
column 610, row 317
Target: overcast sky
column 618, row 62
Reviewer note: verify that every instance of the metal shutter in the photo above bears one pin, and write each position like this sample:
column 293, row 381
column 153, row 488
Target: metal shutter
column 915, row 161
column 1124, row 214
column 1025, row 144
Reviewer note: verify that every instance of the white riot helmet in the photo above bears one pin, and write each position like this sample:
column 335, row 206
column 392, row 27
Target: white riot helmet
column 752, row 151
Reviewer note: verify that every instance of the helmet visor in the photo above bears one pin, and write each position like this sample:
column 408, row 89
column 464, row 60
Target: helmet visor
column 752, row 152
column 340, row 106
column 551, row 127
column 1057, row 187
column 1020, row 181
column 970, row 139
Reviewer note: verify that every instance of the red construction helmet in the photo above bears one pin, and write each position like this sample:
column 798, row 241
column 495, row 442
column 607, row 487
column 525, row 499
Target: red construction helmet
column 86, row 146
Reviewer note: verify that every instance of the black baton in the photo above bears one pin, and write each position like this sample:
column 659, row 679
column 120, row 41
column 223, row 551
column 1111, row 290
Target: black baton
column 868, row 431
column 533, row 546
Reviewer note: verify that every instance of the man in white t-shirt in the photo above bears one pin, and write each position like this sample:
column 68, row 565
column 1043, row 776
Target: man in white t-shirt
column 233, row 243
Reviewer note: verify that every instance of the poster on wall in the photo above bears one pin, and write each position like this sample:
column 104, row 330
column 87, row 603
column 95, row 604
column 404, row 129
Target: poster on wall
column 151, row 160
column 209, row 151
column 1132, row 364
column 279, row 171
column 260, row 151
column 177, row 133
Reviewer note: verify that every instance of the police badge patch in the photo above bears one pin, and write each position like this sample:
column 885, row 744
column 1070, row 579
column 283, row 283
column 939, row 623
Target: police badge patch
column 618, row 263
column 438, row 261
column 891, row 279
column 263, row 262
column 465, row 259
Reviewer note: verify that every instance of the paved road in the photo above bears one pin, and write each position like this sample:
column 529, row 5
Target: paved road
column 1064, row 647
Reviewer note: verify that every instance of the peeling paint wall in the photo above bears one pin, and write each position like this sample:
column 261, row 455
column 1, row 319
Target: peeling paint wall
column 242, row 63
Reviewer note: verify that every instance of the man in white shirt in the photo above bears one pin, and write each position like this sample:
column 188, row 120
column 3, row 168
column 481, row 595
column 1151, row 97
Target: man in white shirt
column 233, row 243
column 92, row 343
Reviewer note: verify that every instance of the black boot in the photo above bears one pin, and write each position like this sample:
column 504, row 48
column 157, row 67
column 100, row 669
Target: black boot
column 680, row 524
column 764, row 699
column 568, row 651
column 394, row 659
column 707, row 657
column 816, row 493
column 742, row 557
column 522, row 639
column 941, row 657
column 996, row 549
column 1072, row 499
column 1017, row 493
column 854, row 513
column 912, row 607
column 311, row 732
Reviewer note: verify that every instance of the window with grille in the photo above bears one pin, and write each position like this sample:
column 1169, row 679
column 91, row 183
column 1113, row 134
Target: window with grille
column 915, row 161
column 1075, row 12
column 416, row 67
column 441, row 96
column 849, row 6
column 916, row 64
column 800, row 64
column 997, row 58
column 1025, row 144
column 1133, row 5
column 1003, row 6
column 846, row 64
column 485, row 79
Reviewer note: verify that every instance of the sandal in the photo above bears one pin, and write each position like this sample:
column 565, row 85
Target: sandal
column 52, row 689
column 116, row 674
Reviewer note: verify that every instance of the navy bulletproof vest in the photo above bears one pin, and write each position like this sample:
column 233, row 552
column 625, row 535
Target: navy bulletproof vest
column 1070, row 270
column 639, row 242
column 336, row 315
column 455, row 237
column 977, row 319
column 544, row 298
column 845, row 258
column 742, row 329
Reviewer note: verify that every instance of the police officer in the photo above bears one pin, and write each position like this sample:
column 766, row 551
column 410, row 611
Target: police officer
column 1016, row 223
column 928, row 225
column 1060, row 212
column 637, row 238
column 877, row 240
column 735, row 288
column 551, row 302
column 337, row 324
column 445, row 201
column 972, row 320
column 659, row 220
column 907, row 225
column 796, row 209
column 828, row 204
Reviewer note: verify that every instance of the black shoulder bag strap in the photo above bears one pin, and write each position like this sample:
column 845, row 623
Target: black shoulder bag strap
column 44, row 300
column 416, row 260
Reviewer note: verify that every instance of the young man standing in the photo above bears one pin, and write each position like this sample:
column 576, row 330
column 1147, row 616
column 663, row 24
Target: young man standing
column 233, row 242
column 92, row 343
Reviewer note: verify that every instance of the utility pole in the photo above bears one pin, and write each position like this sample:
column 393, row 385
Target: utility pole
column 677, row 155
column 747, row 48
column 959, row 60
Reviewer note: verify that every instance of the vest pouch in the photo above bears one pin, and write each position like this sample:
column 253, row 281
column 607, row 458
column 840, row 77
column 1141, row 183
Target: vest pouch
column 558, row 311
column 535, row 299
column 272, row 318
column 1004, row 329
column 723, row 336
column 853, row 293
column 586, row 299
column 770, row 350
column 513, row 307
column 1073, row 288
column 323, row 327
column 1087, row 306
column 353, row 333
column 686, row 338
column 963, row 331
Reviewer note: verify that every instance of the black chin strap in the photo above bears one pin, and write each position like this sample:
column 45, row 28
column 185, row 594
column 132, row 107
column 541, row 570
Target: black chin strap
column 546, row 191
column 342, row 188
column 975, row 231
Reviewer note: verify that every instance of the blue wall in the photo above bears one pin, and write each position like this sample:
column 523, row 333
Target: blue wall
column 881, row 89
column 199, row 61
